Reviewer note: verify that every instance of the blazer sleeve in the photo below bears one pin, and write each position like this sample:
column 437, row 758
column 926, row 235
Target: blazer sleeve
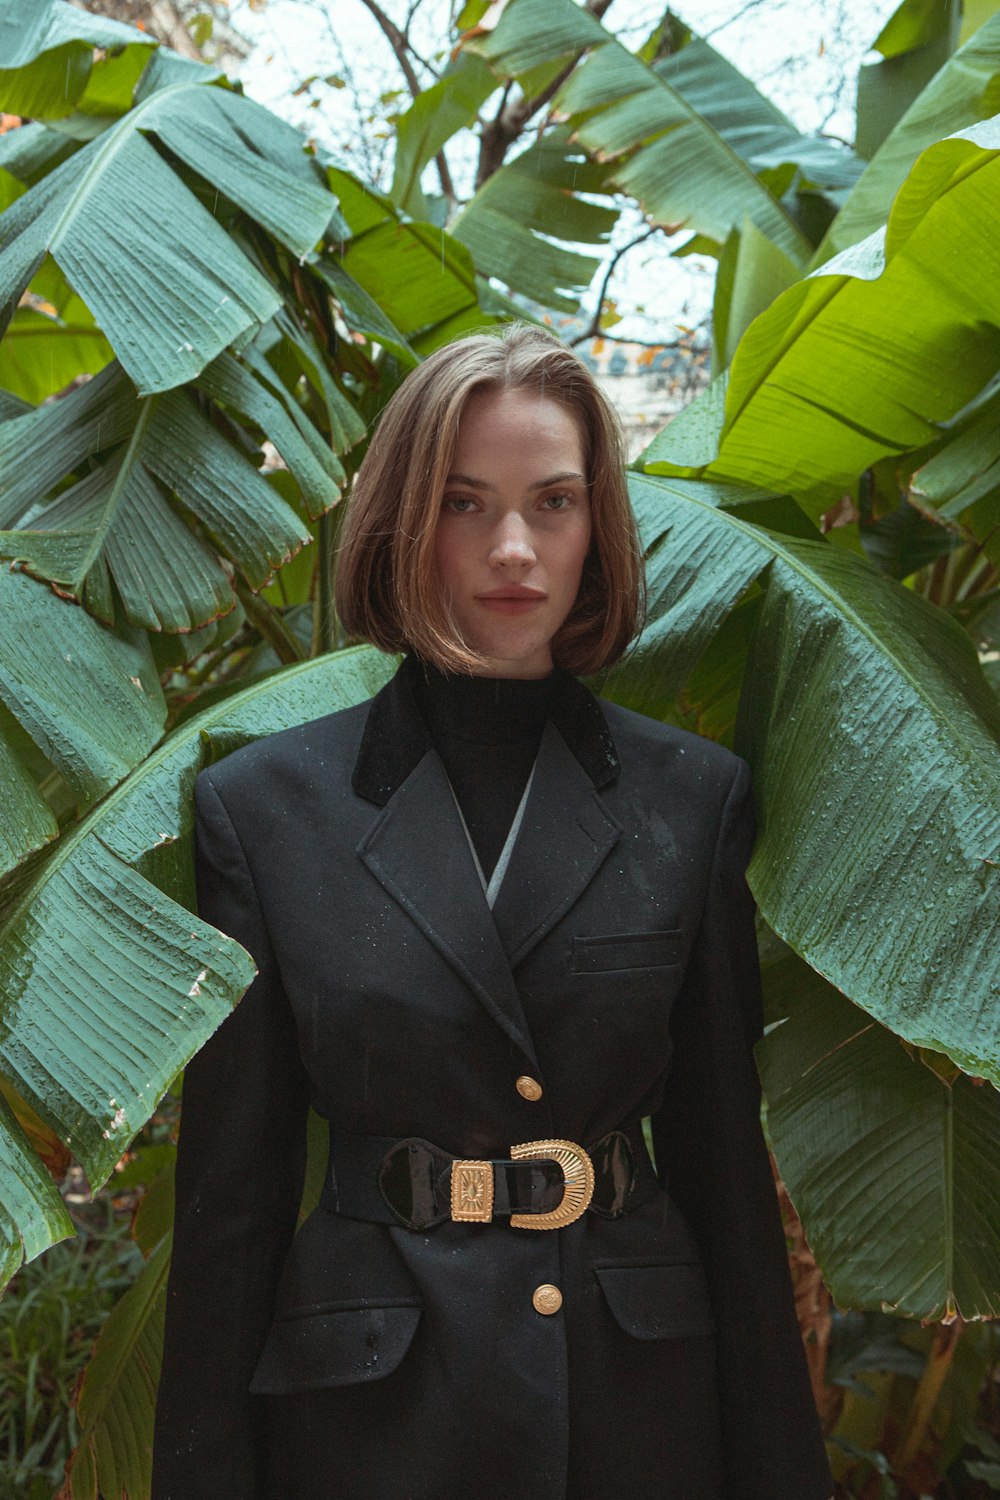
column 710, row 1151
column 240, row 1165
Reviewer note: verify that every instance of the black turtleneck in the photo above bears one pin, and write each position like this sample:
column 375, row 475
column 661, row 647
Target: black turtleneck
column 487, row 731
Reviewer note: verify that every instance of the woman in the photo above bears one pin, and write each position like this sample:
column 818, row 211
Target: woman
column 497, row 924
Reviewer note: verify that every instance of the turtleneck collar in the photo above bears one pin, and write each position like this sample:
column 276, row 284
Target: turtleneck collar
column 396, row 735
column 483, row 710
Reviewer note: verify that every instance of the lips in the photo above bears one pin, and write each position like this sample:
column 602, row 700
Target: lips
column 513, row 599
column 512, row 591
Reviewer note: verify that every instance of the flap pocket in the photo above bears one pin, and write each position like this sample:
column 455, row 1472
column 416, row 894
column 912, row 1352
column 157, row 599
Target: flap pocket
column 340, row 1344
column 626, row 950
column 658, row 1301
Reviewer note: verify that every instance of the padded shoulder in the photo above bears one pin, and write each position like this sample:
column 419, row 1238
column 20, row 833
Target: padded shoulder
column 647, row 745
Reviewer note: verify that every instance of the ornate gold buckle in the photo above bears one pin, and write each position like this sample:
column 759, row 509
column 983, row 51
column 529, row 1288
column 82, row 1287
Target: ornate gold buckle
column 472, row 1191
column 578, row 1172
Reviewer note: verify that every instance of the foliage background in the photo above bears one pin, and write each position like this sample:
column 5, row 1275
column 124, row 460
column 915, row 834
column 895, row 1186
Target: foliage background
column 201, row 318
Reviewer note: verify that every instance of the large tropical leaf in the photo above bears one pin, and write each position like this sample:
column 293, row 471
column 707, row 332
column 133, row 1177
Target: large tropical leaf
column 119, row 220
column 510, row 224
column 117, row 1397
column 108, row 984
column 962, row 93
column 679, row 167
column 961, row 482
column 892, row 1158
column 870, row 356
column 914, row 43
column 32, row 1213
column 450, row 105
column 55, row 665
column 136, row 449
column 47, row 50
column 875, row 744
column 750, row 123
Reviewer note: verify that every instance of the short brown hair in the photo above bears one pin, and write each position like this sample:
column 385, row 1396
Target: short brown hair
column 386, row 582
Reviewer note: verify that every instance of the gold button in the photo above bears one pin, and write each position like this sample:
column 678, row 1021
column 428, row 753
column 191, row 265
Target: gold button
column 546, row 1299
column 528, row 1088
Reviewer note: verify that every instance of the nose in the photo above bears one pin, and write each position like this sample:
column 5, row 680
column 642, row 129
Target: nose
column 512, row 546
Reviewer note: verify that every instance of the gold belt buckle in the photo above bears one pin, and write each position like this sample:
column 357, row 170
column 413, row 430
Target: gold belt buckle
column 578, row 1172
column 472, row 1192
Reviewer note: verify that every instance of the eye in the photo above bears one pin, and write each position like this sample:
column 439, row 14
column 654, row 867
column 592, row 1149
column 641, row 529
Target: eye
column 561, row 500
column 459, row 505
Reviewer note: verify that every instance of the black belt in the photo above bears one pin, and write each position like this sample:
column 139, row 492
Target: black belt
column 542, row 1185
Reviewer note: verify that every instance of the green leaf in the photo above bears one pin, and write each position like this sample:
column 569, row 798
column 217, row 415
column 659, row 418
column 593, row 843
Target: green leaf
column 873, row 738
column 915, row 42
column 450, row 105
column 857, row 1120
column 750, row 123
column 118, row 502
column 361, row 312
column 40, row 355
column 956, row 98
column 416, row 273
column 47, row 50
column 117, row 218
column 840, row 371
column 107, row 984
column 508, row 226
column 752, row 273
column 117, row 1399
column 533, row 33
column 48, row 87
column 966, row 471
column 31, row 150
column 29, row 28
column 32, row 1214
column 110, row 90
column 26, row 823
column 318, row 473
column 55, row 665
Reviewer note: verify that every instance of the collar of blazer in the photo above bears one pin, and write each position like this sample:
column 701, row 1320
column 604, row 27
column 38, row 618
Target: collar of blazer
column 418, row 851
column 396, row 738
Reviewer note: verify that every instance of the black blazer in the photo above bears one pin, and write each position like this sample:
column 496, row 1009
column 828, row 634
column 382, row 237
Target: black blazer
column 618, row 969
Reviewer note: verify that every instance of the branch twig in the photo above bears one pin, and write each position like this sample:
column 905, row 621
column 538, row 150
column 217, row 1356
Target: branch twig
column 400, row 44
column 594, row 328
column 511, row 119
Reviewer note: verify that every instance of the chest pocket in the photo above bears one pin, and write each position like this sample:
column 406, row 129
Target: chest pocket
column 627, row 950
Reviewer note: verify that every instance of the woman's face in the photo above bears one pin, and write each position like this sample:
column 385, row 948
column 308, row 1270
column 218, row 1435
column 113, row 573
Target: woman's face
column 514, row 528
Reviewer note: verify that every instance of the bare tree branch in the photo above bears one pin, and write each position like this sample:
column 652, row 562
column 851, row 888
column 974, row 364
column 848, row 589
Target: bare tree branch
column 512, row 118
column 594, row 327
column 400, row 43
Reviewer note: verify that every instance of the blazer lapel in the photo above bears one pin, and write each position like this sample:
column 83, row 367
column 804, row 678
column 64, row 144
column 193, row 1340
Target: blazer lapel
column 419, row 853
column 566, row 835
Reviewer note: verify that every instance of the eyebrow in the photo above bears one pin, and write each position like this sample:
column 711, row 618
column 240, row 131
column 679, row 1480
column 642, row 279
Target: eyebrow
column 541, row 484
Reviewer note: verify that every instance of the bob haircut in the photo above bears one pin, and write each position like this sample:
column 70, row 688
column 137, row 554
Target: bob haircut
column 387, row 587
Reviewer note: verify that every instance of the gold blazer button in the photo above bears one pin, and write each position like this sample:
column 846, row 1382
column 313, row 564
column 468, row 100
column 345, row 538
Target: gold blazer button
column 528, row 1088
column 546, row 1299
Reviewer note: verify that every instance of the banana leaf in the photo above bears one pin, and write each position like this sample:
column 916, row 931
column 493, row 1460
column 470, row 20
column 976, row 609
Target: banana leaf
column 892, row 1157
column 119, row 220
column 108, row 984
column 874, row 740
column 874, row 354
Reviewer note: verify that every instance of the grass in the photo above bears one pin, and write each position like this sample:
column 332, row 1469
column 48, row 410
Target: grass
column 49, row 1318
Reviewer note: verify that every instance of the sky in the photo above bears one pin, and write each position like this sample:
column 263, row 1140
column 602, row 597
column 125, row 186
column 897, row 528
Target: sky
column 804, row 54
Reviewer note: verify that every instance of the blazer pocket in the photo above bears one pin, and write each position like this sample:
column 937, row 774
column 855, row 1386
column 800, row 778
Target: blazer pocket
column 658, row 1301
column 349, row 1343
column 626, row 950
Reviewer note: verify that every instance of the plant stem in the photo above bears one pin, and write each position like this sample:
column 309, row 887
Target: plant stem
column 938, row 1364
column 270, row 625
column 325, row 618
